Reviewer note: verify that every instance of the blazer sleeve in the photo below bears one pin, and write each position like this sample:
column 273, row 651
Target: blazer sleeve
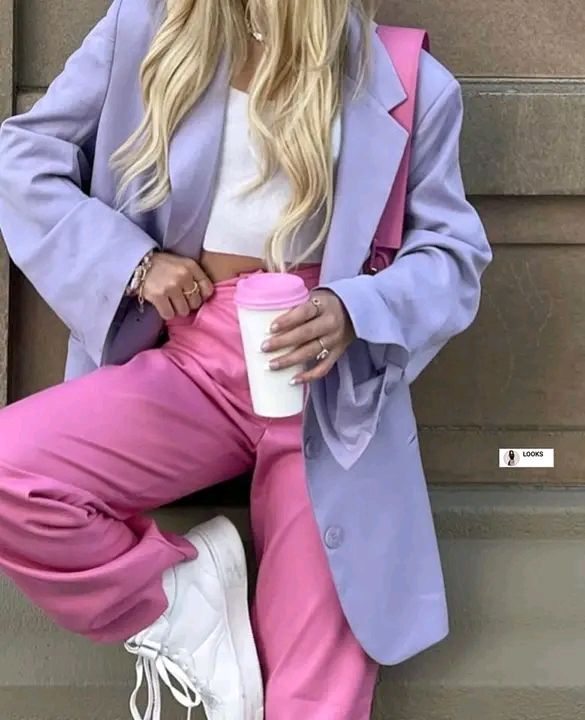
column 77, row 251
column 408, row 311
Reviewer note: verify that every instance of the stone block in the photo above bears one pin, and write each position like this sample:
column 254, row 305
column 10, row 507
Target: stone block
column 508, row 38
column 520, row 364
column 502, row 38
column 524, row 138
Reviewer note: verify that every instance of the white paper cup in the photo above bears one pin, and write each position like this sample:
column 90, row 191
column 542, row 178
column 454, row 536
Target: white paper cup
column 260, row 299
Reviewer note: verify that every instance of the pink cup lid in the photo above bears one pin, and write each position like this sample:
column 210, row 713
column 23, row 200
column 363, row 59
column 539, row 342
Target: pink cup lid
column 267, row 291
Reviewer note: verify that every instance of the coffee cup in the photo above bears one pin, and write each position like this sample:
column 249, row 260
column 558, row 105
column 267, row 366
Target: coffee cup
column 260, row 298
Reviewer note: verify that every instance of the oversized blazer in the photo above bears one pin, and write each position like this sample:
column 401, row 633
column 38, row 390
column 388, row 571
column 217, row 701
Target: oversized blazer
column 360, row 443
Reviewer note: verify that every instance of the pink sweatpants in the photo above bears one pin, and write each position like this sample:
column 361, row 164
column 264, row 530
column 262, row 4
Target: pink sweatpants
column 81, row 461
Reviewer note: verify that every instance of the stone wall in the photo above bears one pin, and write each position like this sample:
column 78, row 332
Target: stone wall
column 6, row 108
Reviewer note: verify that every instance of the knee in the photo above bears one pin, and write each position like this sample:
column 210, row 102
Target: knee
column 27, row 446
column 17, row 440
column 31, row 500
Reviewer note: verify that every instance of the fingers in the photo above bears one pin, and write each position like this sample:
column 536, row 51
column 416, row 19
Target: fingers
column 303, row 329
column 180, row 303
column 323, row 325
column 163, row 307
column 168, row 281
column 305, row 353
column 197, row 273
column 194, row 299
column 194, row 288
column 294, row 317
column 319, row 370
column 191, row 295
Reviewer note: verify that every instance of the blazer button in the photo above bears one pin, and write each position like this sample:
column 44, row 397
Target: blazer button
column 333, row 536
column 311, row 447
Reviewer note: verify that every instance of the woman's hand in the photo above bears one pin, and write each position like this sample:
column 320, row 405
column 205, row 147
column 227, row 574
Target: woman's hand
column 166, row 282
column 303, row 326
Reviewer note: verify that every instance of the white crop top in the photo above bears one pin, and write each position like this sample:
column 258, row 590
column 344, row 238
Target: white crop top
column 241, row 225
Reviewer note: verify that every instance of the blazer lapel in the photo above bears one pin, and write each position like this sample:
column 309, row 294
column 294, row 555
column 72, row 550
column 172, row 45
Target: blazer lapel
column 194, row 153
column 371, row 150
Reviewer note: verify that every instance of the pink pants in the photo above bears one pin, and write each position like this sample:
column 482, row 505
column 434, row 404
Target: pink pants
column 82, row 460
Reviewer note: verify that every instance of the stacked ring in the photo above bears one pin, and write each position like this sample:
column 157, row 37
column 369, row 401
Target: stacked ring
column 324, row 352
column 195, row 289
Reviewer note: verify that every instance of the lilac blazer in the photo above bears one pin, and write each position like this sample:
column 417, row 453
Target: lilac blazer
column 361, row 450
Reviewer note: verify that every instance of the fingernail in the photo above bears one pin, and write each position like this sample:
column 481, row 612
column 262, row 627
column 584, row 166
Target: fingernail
column 294, row 381
column 274, row 327
column 265, row 345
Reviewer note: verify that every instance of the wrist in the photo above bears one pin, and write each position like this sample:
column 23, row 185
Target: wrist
column 135, row 286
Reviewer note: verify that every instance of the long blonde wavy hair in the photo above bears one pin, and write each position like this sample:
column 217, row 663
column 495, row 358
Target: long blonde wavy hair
column 294, row 97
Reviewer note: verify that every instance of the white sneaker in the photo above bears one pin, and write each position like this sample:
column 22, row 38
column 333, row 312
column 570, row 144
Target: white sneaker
column 204, row 639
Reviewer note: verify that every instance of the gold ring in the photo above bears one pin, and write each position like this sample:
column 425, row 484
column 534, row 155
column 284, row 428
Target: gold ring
column 324, row 352
column 195, row 289
column 317, row 303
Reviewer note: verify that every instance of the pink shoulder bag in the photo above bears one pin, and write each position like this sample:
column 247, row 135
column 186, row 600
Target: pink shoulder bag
column 404, row 46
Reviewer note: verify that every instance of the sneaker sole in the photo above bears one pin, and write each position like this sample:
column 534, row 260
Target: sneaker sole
column 223, row 540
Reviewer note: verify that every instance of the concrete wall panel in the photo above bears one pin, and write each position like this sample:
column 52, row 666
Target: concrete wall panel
column 500, row 38
column 530, row 220
column 4, row 297
column 6, row 100
column 524, row 138
column 469, row 455
column 50, row 31
column 520, row 364
column 508, row 38
column 38, row 341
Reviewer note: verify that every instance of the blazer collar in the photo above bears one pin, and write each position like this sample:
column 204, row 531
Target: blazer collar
column 383, row 83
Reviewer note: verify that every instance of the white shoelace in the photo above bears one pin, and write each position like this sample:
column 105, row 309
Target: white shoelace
column 153, row 665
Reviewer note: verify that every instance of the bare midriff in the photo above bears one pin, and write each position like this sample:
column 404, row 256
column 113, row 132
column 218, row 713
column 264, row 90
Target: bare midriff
column 222, row 266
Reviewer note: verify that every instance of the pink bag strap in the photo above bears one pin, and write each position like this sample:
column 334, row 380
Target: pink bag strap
column 404, row 46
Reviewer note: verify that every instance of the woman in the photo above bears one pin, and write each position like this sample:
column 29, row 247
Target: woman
column 119, row 200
